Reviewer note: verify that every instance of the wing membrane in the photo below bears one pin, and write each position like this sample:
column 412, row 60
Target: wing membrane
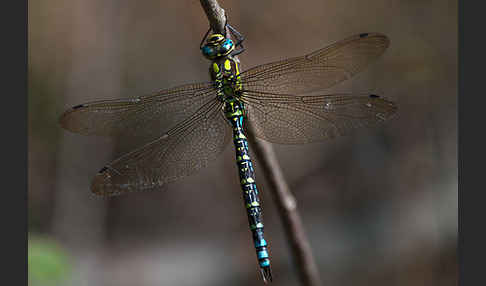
column 291, row 119
column 146, row 116
column 318, row 70
column 180, row 152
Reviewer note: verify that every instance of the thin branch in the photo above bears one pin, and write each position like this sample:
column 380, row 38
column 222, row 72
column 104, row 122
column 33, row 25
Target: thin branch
column 284, row 199
column 287, row 206
column 215, row 14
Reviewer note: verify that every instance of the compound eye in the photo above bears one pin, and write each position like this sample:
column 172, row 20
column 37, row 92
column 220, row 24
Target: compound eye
column 207, row 51
column 227, row 44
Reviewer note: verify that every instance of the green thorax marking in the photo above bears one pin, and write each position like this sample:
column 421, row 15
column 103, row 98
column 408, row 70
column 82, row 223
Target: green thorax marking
column 225, row 73
column 234, row 111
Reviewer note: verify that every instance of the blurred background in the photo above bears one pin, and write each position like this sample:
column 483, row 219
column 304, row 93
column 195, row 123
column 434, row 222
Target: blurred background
column 379, row 206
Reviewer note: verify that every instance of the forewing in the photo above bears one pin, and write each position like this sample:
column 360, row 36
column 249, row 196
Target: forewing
column 318, row 70
column 290, row 119
column 188, row 147
column 145, row 116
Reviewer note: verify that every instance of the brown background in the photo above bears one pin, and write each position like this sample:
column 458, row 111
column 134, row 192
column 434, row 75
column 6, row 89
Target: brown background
column 379, row 206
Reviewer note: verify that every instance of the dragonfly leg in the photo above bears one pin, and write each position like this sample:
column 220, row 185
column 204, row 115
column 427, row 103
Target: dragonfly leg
column 239, row 40
column 238, row 36
column 237, row 52
column 204, row 38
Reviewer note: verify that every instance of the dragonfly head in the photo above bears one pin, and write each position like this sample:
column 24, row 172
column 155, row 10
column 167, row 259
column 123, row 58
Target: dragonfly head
column 217, row 46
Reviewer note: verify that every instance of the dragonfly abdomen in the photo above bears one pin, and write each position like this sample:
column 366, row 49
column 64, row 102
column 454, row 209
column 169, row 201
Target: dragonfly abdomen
column 234, row 113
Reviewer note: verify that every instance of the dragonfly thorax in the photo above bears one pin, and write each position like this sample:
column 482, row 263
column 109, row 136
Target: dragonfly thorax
column 226, row 77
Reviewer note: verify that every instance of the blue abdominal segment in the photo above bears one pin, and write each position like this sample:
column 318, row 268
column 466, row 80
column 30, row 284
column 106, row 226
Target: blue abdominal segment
column 234, row 110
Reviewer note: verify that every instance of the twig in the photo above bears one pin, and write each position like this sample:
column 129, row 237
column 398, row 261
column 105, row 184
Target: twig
column 215, row 14
column 287, row 207
column 284, row 199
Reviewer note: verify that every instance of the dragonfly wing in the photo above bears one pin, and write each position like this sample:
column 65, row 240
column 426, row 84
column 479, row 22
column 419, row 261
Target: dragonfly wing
column 291, row 119
column 146, row 116
column 180, row 152
column 318, row 70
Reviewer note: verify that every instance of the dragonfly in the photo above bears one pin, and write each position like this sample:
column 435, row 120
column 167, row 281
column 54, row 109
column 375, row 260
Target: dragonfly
column 184, row 128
